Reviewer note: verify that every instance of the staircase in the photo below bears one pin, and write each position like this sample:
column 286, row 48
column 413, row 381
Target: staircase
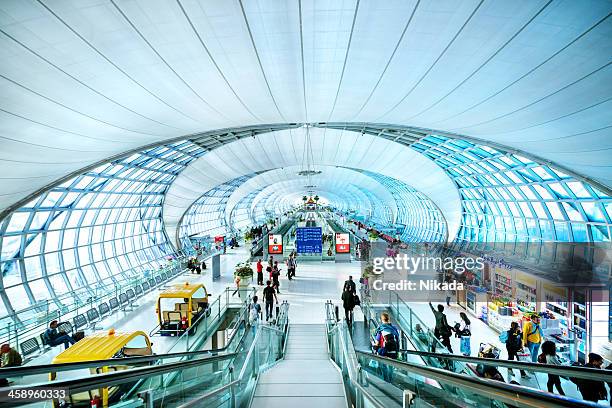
column 306, row 378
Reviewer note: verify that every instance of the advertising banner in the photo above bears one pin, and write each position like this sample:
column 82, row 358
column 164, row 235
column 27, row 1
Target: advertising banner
column 343, row 243
column 275, row 244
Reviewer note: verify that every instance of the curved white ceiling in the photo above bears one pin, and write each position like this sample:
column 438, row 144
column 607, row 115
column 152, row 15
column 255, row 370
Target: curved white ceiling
column 284, row 182
column 81, row 81
column 330, row 147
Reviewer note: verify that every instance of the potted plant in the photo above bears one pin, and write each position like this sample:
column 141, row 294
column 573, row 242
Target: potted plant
column 373, row 235
column 316, row 198
column 304, row 198
column 244, row 273
column 368, row 271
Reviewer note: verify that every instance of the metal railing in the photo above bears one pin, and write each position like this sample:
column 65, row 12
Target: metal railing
column 33, row 320
column 474, row 391
column 188, row 382
column 341, row 352
column 438, row 386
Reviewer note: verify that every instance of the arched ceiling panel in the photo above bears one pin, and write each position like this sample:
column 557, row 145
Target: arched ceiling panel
column 286, row 149
column 82, row 81
column 334, row 177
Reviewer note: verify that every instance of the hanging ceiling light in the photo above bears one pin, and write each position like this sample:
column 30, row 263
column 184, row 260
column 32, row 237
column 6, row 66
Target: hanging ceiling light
column 307, row 168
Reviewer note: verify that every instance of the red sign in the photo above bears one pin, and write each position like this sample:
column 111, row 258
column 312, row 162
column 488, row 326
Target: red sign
column 343, row 243
column 275, row 244
column 219, row 239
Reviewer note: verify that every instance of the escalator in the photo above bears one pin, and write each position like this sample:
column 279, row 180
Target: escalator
column 229, row 377
column 173, row 379
column 430, row 379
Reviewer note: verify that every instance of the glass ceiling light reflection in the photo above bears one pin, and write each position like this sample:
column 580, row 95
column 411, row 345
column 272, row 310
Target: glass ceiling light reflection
column 507, row 197
column 101, row 228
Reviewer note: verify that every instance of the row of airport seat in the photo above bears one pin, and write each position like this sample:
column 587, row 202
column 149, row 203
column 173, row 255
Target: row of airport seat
column 32, row 347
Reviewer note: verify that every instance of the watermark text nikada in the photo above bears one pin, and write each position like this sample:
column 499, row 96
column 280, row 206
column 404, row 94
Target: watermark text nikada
column 420, row 285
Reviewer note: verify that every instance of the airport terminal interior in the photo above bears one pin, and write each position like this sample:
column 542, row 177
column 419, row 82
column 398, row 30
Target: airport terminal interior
column 305, row 203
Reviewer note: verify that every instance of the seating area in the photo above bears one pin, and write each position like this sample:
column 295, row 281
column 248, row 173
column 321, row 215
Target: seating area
column 36, row 345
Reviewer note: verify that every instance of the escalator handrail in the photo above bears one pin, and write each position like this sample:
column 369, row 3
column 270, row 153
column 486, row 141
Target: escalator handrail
column 76, row 385
column 350, row 377
column 196, row 402
column 46, row 368
column 508, row 393
column 566, row 371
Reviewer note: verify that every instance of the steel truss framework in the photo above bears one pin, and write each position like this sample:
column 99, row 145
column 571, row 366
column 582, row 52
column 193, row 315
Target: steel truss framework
column 104, row 223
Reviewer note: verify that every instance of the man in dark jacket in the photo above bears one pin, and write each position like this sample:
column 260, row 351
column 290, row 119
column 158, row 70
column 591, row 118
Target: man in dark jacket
column 348, row 302
column 53, row 338
column 443, row 330
column 514, row 343
column 592, row 390
column 351, row 285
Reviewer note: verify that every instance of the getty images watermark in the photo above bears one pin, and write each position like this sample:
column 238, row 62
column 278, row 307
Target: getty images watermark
column 422, row 273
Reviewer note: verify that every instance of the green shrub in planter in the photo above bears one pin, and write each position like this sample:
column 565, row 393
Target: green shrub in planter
column 244, row 270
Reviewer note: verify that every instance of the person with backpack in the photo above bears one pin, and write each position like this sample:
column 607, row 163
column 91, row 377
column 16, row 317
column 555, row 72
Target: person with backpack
column 532, row 336
column 592, row 390
column 443, row 330
column 513, row 339
column 254, row 313
column 549, row 356
column 464, row 332
column 386, row 343
column 269, row 295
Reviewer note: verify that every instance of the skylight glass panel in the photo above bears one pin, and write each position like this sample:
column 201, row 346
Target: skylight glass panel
column 558, row 189
column 572, row 212
column 542, row 192
column 578, row 189
column 592, row 211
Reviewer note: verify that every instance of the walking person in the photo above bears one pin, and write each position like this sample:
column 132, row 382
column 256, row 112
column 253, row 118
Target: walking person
column 269, row 270
column 348, row 302
column 549, row 356
column 532, row 336
column 592, row 390
column 464, row 332
column 290, row 267
column 448, row 294
column 259, row 273
column 269, row 295
column 443, row 330
column 254, row 314
column 351, row 285
column 514, row 344
column 276, row 277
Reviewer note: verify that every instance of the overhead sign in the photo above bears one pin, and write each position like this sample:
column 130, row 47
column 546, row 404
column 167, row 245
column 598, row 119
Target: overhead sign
column 343, row 243
column 309, row 240
column 275, row 244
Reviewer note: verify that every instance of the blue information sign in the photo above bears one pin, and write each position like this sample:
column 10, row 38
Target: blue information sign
column 309, row 240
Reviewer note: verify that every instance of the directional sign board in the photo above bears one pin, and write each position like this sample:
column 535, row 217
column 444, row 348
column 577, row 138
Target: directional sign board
column 309, row 240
